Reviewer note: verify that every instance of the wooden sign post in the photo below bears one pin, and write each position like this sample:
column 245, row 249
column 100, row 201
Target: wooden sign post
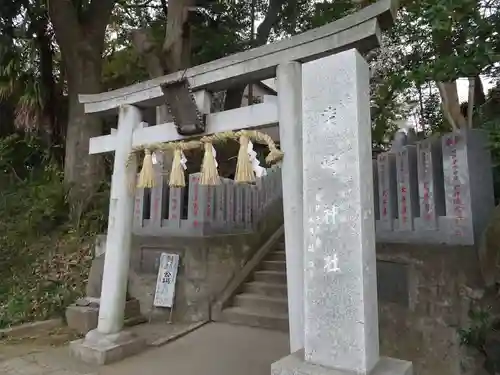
column 165, row 284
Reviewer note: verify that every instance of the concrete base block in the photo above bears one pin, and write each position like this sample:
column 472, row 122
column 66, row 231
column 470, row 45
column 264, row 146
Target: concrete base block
column 84, row 315
column 82, row 318
column 99, row 349
column 294, row 364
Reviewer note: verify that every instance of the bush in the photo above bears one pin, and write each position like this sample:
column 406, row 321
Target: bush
column 44, row 258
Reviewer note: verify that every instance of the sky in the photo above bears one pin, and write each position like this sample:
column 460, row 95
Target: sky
column 463, row 88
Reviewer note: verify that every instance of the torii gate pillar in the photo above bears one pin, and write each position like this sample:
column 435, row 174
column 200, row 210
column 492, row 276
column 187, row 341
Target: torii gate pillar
column 108, row 342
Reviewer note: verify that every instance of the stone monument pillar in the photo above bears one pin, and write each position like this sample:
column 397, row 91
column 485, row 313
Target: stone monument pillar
column 340, row 299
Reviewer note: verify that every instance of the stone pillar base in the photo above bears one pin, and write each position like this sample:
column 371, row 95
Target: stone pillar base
column 100, row 349
column 83, row 315
column 294, row 364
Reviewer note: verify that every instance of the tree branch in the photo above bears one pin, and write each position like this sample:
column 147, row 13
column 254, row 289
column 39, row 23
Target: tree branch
column 97, row 18
column 145, row 4
column 269, row 22
column 448, row 90
column 234, row 94
column 164, row 6
column 480, row 97
column 470, row 108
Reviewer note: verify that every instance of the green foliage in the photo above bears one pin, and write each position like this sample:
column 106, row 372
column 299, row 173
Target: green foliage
column 489, row 119
column 325, row 11
column 481, row 335
column 432, row 40
column 221, row 31
column 122, row 68
column 448, row 39
column 481, row 323
column 44, row 259
column 26, row 36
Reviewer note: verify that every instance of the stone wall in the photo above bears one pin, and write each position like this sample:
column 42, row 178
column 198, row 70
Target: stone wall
column 423, row 301
column 198, row 210
column 438, row 190
column 206, row 266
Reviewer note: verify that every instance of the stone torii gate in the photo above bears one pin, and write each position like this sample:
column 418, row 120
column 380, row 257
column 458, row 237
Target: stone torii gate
column 323, row 112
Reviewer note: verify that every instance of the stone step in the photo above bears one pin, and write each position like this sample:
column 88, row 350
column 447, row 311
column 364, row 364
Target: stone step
column 274, row 265
column 277, row 256
column 260, row 303
column 280, row 246
column 241, row 316
column 266, row 289
column 275, row 277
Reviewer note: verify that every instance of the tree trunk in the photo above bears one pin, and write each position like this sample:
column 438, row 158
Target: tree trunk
column 448, row 90
column 151, row 56
column 174, row 55
column 81, row 41
column 52, row 131
column 177, row 45
column 470, row 108
column 479, row 95
column 451, row 105
column 234, row 96
column 82, row 172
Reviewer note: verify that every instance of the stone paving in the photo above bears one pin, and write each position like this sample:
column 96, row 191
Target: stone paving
column 50, row 362
column 214, row 349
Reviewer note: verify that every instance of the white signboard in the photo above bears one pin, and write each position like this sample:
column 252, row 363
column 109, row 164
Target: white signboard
column 165, row 284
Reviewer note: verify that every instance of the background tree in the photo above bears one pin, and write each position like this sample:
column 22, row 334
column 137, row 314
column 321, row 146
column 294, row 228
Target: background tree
column 443, row 41
column 79, row 28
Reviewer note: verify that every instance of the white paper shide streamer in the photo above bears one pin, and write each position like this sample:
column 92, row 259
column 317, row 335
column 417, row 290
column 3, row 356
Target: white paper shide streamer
column 183, row 160
column 259, row 171
column 215, row 157
column 157, row 158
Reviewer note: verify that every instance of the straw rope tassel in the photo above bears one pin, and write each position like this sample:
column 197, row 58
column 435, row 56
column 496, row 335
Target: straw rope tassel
column 244, row 171
column 209, row 174
column 177, row 178
column 147, row 175
column 275, row 154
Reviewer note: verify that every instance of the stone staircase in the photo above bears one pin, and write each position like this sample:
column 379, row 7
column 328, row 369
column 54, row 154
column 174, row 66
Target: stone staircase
column 262, row 300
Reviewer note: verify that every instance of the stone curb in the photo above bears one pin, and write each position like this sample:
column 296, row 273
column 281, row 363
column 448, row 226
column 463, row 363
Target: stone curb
column 29, row 329
column 165, row 340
